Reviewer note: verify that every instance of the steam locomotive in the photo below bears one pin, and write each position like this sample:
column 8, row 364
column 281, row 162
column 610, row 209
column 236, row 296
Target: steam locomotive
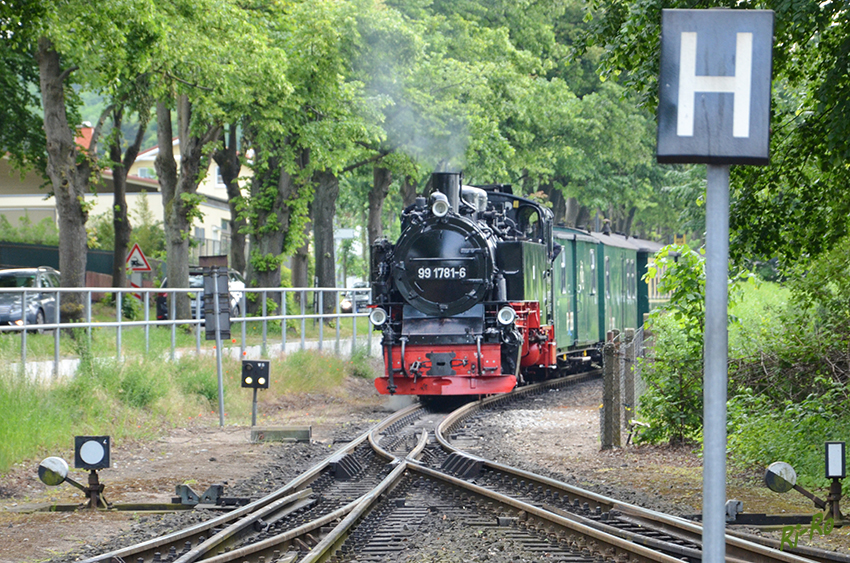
column 482, row 291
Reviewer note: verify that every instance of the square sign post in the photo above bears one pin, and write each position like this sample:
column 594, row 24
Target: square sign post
column 714, row 108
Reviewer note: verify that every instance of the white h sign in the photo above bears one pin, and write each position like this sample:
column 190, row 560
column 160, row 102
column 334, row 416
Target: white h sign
column 739, row 85
column 714, row 86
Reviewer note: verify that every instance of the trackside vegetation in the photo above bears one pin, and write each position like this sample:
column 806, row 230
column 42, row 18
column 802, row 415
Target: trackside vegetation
column 788, row 362
column 140, row 398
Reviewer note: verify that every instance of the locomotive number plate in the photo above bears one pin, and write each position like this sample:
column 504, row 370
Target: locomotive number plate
column 441, row 273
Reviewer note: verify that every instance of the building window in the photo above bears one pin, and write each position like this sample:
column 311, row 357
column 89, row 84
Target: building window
column 146, row 173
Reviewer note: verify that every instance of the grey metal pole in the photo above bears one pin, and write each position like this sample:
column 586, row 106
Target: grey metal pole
column 715, row 375
column 254, row 409
column 218, row 348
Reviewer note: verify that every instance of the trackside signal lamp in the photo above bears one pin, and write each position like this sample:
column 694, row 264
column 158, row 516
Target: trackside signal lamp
column 255, row 374
column 378, row 316
column 836, row 460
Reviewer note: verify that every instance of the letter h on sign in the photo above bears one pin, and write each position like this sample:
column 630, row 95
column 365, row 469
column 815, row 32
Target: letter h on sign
column 714, row 97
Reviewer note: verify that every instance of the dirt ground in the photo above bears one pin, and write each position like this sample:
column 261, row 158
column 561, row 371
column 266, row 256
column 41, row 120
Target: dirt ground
column 562, row 439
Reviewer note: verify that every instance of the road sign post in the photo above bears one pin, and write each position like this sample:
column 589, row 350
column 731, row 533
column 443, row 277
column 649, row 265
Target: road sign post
column 714, row 108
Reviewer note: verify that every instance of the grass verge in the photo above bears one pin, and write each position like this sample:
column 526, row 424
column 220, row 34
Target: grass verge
column 141, row 397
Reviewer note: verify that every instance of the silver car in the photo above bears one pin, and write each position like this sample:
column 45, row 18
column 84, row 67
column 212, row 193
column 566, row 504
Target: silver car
column 41, row 302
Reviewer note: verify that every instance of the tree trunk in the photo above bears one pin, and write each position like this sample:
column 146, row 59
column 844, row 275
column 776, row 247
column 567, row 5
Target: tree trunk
column 382, row 178
column 229, row 165
column 324, row 209
column 273, row 192
column 301, row 264
column 267, row 236
column 120, row 219
column 178, row 191
column 69, row 180
column 559, row 204
column 576, row 215
column 408, row 192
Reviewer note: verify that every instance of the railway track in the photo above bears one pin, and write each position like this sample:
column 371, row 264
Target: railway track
column 403, row 491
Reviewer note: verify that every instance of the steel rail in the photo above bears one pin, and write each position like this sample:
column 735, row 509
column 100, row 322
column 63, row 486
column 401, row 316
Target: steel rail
column 738, row 549
column 337, row 536
column 607, row 545
column 293, row 488
column 386, row 423
column 195, row 531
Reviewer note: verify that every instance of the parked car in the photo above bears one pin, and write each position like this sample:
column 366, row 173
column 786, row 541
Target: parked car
column 357, row 299
column 40, row 306
column 236, row 285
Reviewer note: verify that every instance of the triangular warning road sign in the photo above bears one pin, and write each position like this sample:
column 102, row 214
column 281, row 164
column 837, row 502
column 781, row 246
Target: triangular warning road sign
column 137, row 261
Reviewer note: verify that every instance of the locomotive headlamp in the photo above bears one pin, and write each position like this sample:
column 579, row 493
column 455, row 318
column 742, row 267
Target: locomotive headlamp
column 506, row 316
column 378, row 316
column 439, row 205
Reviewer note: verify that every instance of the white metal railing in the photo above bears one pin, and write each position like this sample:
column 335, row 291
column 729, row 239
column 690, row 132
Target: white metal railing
column 11, row 322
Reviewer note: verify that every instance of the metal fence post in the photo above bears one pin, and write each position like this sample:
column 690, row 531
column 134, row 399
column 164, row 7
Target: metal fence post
column 303, row 311
column 88, row 315
column 198, row 305
column 147, row 320
column 338, row 319
column 173, row 306
column 321, row 311
column 353, row 335
column 283, row 297
column 244, row 313
column 56, row 334
column 24, row 333
column 118, row 315
column 265, row 326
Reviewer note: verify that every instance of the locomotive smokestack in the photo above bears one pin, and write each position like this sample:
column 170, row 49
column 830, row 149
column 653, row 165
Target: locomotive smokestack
column 448, row 183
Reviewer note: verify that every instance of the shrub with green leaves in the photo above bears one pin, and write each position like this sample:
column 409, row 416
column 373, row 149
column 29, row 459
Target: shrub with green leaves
column 672, row 404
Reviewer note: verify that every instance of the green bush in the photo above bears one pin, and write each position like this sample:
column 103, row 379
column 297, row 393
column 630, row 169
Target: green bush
column 760, row 434
column 192, row 381
column 672, row 404
column 142, row 385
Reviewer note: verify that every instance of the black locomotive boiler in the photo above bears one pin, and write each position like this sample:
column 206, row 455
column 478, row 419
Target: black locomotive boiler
column 476, row 295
